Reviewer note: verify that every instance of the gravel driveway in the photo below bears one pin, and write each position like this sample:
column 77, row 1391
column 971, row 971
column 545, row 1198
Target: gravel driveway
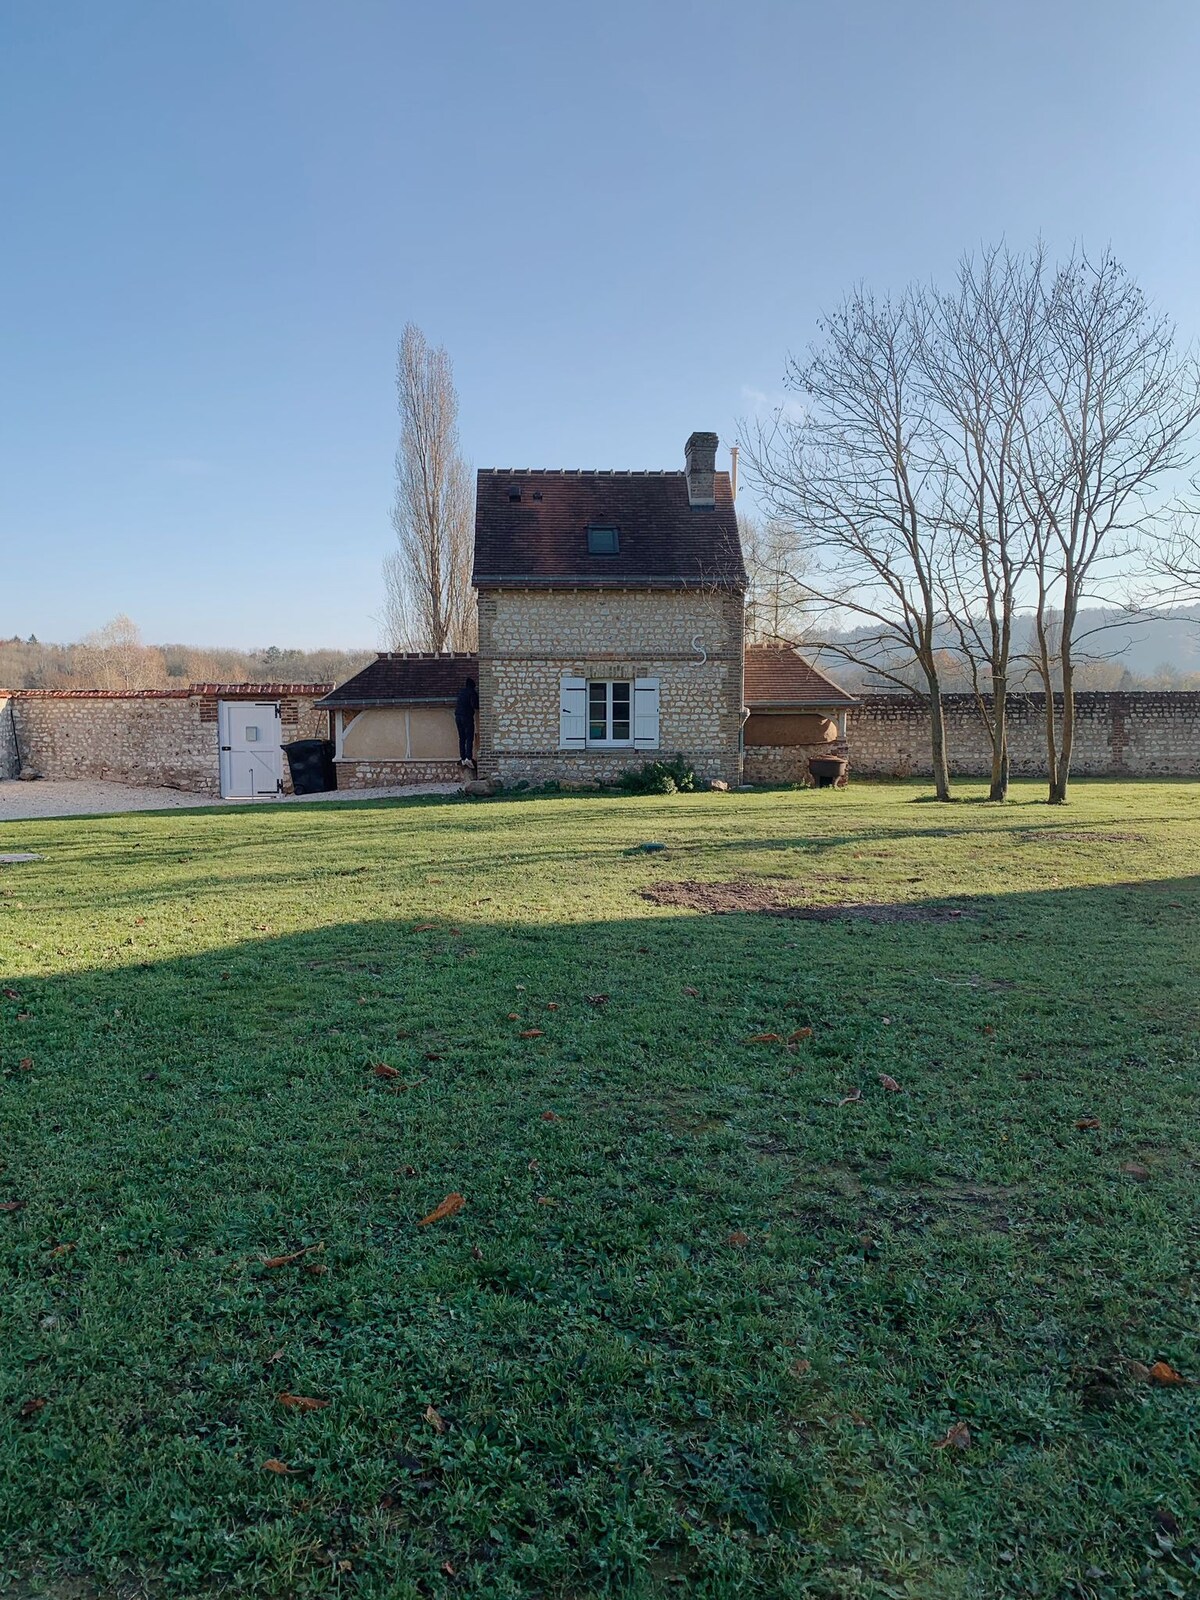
column 51, row 797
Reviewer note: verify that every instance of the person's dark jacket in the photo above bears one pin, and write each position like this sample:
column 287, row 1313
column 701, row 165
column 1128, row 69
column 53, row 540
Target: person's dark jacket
column 467, row 703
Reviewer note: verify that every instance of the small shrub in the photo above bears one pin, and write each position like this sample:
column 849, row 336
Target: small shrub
column 659, row 777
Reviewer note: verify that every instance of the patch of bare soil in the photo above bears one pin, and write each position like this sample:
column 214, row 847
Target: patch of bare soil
column 1079, row 836
column 771, row 900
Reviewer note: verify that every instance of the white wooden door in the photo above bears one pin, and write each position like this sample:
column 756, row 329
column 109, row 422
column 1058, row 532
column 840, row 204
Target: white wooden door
column 251, row 756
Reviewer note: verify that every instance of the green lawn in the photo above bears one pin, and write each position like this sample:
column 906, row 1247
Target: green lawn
column 699, row 1325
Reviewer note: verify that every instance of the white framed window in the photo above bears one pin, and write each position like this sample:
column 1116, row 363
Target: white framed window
column 610, row 711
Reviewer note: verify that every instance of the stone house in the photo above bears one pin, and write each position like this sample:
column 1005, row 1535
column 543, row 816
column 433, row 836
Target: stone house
column 611, row 632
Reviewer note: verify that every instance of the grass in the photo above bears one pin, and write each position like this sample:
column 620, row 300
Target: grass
column 698, row 1331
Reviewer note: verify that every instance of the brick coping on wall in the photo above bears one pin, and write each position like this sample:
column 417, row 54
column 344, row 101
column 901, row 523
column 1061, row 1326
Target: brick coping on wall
column 227, row 691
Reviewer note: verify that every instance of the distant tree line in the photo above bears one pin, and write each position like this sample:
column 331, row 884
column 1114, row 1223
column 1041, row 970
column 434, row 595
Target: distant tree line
column 116, row 657
column 951, row 460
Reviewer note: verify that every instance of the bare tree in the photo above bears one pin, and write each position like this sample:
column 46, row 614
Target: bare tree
column 776, row 607
column 980, row 362
column 1115, row 406
column 1175, row 556
column 429, row 604
column 114, row 657
column 855, row 475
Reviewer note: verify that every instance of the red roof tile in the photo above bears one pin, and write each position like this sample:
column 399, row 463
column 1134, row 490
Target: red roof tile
column 777, row 676
column 398, row 679
column 539, row 540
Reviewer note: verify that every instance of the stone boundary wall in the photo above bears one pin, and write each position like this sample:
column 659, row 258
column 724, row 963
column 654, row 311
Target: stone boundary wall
column 10, row 761
column 160, row 737
column 381, row 774
column 1118, row 734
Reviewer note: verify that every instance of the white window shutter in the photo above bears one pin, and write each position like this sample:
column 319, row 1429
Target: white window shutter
column 645, row 713
column 572, row 717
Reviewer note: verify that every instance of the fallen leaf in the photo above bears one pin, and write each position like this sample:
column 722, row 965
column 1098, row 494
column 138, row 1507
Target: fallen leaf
column 449, row 1569
column 551, row 1116
column 476, row 1253
column 11, row 994
column 988, row 1030
column 688, row 990
column 272, row 1359
column 889, row 1083
column 514, row 1016
column 24, row 1016
column 800, row 1368
column 531, row 1033
column 293, row 1255
column 1134, row 1169
column 425, row 927
column 273, row 1464
column 1088, row 1122
column 382, row 1070
column 596, row 999
column 799, row 1033
column 11, row 1205
column 552, row 1005
column 546, row 1200
column 30, row 1408
column 434, row 1055
column 447, row 1208
column 62, row 1249
column 1163, row 1372
column 139, row 922
column 1138, row 1370
column 301, row 1402
column 847, row 1100
column 25, row 1064
column 958, row 1437
column 738, row 1239
column 409, row 1172
column 765, row 1038
column 534, row 1165
column 435, row 1420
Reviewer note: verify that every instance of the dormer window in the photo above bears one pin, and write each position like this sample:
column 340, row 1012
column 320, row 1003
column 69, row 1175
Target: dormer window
column 603, row 542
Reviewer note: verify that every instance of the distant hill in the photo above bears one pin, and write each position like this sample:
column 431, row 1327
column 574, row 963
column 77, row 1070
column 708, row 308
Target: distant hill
column 1115, row 650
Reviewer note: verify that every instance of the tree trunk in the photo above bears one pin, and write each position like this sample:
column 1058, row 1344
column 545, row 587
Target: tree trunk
column 1060, row 773
column 999, row 784
column 937, row 729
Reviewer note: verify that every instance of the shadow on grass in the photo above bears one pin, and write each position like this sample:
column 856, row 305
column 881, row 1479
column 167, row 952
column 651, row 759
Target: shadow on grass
column 703, row 1314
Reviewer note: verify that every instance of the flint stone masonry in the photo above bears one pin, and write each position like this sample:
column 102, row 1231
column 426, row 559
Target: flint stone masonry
column 160, row 737
column 10, row 763
column 690, row 640
column 788, row 763
column 1118, row 734
column 384, row 774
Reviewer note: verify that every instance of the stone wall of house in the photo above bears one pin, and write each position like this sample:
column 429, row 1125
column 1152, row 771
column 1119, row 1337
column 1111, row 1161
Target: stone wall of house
column 787, row 763
column 384, row 774
column 1129, row 733
column 690, row 641
column 160, row 737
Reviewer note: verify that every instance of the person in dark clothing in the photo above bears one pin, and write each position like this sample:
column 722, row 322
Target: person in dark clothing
column 465, row 708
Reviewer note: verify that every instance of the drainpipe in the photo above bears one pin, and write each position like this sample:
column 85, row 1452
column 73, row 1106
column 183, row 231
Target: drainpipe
column 12, row 717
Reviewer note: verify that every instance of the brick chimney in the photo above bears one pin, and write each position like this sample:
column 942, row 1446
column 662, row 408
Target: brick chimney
column 700, row 453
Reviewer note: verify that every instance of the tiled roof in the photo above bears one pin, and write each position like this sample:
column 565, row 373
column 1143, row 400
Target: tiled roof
column 226, row 691
column 540, row 540
column 777, row 676
column 416, row 679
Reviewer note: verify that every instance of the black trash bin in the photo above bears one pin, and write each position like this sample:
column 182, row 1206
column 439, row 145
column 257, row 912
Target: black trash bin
column 310, row 762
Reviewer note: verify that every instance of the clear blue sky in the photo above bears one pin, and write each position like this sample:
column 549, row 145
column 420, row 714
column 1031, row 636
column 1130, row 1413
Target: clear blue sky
column 619, row 219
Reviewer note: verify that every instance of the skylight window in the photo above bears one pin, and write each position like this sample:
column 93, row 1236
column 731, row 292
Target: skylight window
column 603, row 542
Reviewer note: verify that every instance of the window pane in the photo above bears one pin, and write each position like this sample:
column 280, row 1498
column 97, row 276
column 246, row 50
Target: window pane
column 620, row 710
column 597, row 711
